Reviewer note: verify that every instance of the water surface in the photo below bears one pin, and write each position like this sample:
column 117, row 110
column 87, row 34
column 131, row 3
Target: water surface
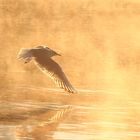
column 29, row 112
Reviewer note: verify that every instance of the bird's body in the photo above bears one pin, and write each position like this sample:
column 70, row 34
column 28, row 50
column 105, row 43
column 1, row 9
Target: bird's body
column 42, row 57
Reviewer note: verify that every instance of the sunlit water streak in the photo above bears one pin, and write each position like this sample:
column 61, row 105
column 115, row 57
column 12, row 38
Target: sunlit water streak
column 87, row 91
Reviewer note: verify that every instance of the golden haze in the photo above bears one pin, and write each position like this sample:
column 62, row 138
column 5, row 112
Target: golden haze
column 100, row 46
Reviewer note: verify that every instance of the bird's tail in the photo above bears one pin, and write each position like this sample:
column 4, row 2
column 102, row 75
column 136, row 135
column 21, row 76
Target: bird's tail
column 25, row 54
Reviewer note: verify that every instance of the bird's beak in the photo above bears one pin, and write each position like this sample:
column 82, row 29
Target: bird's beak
column 58, row 54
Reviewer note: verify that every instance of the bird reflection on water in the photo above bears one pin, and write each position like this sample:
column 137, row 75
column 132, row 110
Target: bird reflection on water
column 27, row 120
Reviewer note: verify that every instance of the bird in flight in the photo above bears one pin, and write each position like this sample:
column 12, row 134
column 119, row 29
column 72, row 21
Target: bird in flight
column 42, row 57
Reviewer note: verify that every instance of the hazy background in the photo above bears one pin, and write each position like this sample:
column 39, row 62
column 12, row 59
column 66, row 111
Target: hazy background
column 99, row 41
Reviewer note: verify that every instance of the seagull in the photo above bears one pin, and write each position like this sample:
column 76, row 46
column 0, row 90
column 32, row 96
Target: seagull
column 42, row 56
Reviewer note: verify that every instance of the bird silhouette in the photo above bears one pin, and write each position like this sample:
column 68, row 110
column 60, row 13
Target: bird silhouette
column 42, row 57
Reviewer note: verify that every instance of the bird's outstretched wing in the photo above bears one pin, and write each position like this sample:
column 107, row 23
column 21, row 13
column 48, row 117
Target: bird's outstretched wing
column 53, row 70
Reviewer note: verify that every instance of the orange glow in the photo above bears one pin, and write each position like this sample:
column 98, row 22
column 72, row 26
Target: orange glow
column 99, row 44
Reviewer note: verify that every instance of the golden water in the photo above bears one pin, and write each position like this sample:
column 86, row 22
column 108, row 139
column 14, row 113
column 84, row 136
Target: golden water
column 50, row 114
